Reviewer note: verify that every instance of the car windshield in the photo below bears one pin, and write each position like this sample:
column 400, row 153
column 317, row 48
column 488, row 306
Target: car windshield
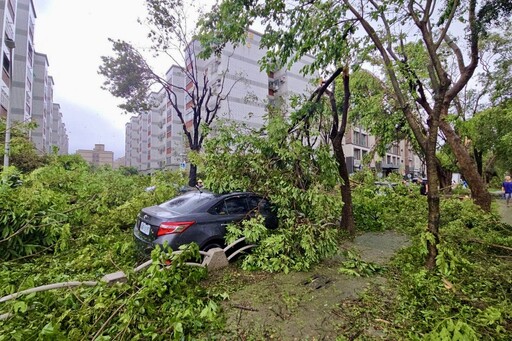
column 187, row 202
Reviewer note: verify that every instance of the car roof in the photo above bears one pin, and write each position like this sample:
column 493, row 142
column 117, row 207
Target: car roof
column 204, row 192
column 196, row 201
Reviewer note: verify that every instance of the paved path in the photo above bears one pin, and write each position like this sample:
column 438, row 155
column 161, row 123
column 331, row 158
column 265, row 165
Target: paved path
column 504, row 211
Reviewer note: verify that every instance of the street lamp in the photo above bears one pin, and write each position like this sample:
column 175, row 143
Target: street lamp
column 10, row 45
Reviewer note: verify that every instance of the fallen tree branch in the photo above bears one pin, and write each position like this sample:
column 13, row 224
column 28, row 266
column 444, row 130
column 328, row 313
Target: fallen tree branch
column 104, row 325
column 498, row 246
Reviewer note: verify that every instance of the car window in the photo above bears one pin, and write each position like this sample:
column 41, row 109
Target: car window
column 258, row 204
column 236, row 205
column 186, row 203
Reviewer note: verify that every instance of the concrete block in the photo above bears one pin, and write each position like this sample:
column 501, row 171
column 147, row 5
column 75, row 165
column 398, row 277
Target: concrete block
column 216, row 259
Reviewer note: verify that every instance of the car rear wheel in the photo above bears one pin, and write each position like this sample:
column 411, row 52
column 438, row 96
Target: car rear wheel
column 213, row 245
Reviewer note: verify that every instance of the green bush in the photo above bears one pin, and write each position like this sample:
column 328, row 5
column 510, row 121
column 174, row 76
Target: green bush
column 160, row 303
column 299, row 181
column 43, row 210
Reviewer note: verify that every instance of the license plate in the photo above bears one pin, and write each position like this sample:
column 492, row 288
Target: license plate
column 144, row 228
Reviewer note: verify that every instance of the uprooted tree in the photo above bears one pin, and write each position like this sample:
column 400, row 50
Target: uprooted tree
column 196, row 100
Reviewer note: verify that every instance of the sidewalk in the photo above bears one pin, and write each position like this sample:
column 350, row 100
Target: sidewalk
column 504, row 211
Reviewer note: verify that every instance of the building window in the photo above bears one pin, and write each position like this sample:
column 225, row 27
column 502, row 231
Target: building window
column 357, row 154
column 360, row 139
column 394, row 149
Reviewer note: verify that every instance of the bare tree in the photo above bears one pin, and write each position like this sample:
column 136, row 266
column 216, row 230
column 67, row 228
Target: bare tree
column 130, row 77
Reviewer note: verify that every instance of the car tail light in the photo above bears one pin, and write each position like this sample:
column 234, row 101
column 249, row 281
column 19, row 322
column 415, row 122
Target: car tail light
column 168, row 227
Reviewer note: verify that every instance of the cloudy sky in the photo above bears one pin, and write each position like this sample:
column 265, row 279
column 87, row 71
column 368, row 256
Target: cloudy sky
column 73, row 34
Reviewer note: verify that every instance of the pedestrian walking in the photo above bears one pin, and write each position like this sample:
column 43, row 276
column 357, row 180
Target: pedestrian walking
column 506, row 187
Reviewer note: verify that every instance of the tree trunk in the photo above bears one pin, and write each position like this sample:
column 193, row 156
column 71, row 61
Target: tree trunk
column 478, row 159
column 445, row 178
column 468, row 168
column 434, row 211
column 192, row 175
column 347, row 214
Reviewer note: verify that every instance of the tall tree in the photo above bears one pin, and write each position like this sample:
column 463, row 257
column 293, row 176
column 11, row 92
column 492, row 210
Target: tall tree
column 433, row 23
column 228, row 23
column 130, row 77
column 23, row 153
column 338, row 104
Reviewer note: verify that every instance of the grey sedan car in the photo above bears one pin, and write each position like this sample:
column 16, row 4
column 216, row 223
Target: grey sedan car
column 198, row 216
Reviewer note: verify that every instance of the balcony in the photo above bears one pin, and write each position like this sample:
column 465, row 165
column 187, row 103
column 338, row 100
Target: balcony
column 386, row 165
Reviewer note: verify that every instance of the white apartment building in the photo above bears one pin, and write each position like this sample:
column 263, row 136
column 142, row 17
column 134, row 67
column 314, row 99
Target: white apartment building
column 59, row 137
column 7, row 18
column 30, row 98
column 173, row 138
column 399, row 156
column 155, row 139
column 23, row 62
column 251, row 92
column 39, row 104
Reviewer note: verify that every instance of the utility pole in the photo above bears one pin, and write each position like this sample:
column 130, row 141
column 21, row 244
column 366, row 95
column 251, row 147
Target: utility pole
column 10, row 45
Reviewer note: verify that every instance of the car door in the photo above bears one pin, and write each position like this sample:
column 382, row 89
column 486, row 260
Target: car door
column 229, row 210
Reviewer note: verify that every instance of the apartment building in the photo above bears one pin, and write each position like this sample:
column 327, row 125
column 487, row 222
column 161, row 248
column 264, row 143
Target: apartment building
column 119, row 162
column 39, row 105
column 7, row 18
column 98, row 156
column 132, row 142
column 155, row 139
column 250, row 92
column 28, row 96
column 399, row 158
column 175, row 146
column 23, row 62
column 59, row 136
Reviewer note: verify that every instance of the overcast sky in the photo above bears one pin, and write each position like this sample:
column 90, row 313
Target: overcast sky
column 73, row 34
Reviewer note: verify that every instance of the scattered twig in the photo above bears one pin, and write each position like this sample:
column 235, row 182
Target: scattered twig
column 503, row 247
column 34, row 254
column 241, row 307
column 98, row 333
column 279, row 314
column 106, row 310
column 104, row 325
